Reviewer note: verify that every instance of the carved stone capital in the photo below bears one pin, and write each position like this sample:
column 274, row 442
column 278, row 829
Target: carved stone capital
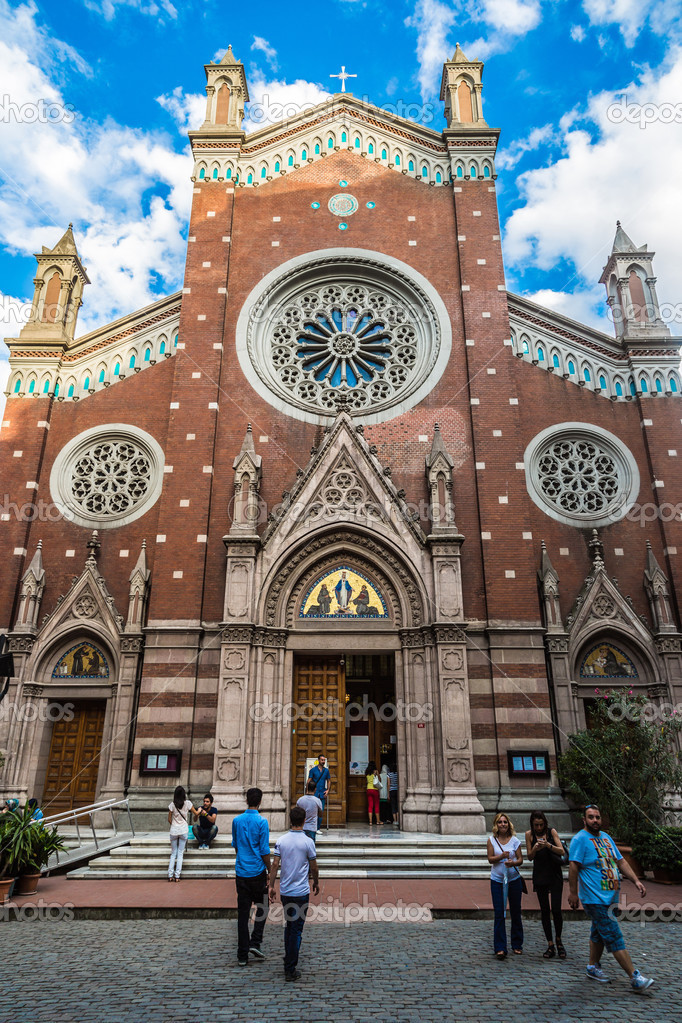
column 31, row 691
column 270, row 637
column 132, row 644
column 415, row 637
column 658, row 691
column 664, row 644
column 574, row 690
column 234, row 634
column 557, row 644
column 449, row 633
column 21, row 644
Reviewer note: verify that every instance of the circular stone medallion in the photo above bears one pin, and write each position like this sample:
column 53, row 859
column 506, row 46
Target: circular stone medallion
column 343, row 205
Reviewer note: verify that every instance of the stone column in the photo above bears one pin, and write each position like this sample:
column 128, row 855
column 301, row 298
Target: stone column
column 122, row 701
column 270, row 722
column 420, row 770
column 461, row 812
column 231, row 718
column 23, row 740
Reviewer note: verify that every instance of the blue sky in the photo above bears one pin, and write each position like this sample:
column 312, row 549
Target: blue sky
column 128, row 77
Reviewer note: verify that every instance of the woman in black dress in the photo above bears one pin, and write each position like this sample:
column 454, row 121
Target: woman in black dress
column 545, row 850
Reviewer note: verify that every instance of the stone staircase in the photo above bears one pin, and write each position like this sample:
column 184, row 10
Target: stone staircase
column 341, row 854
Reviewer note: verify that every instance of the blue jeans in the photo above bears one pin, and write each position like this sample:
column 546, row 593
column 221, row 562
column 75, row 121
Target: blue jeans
column 320, row 812
column 205, row 836
column 500, row 933
column 295, row 912
column 311, row 834
column 178, row 843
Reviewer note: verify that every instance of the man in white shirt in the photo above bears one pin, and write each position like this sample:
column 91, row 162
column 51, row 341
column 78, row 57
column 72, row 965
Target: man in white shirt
column 296, row 852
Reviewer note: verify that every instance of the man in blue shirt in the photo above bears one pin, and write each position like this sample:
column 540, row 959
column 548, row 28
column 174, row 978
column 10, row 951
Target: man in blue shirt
column 322, row 778
column 595, row 861
column 251, row 839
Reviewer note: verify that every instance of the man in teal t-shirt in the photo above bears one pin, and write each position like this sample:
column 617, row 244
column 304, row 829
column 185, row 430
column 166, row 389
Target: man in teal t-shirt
column 596, row 863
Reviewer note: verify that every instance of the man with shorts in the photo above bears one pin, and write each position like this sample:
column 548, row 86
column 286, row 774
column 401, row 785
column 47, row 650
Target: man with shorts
column 596, row 863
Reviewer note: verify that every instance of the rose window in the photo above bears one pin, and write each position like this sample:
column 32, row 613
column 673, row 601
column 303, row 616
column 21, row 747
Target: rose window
column 581, row 475
column 343, row 330
column 111, row 478
column 107, row 476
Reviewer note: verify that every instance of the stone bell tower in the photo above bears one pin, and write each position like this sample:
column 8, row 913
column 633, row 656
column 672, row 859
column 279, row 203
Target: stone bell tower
column 226, row 94
column 58, row 284
column 471, row 142
column 631, row 291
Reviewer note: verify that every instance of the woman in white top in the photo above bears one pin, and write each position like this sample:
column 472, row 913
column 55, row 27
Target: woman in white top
column 178, row 818
column 505, row 857
column 384, row 805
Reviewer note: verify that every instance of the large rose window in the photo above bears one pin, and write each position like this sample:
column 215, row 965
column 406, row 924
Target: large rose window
column 343, row 330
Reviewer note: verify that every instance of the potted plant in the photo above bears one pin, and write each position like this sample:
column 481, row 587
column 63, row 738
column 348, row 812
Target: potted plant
column 660, row 850
column 27, row 846
column 625, row 763
column 32, row 845
column 9, row 823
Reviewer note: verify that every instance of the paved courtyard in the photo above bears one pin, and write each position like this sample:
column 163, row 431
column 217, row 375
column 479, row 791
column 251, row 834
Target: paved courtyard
column 173, row 971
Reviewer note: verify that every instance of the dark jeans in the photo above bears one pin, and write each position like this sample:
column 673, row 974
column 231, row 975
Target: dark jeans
column 250, row 891
column 205, row 836
column 393, row 796
column 295, row 912
column 544, row 893
column 311, row 834
column 320, row 812
column 500, row 934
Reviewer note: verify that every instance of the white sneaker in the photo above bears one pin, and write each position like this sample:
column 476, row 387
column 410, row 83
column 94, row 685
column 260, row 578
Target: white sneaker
column 320, row 831
column 640, row 983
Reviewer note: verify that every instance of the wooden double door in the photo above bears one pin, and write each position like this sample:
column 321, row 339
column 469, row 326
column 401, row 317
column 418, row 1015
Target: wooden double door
column 341, row 717
column 73, row 764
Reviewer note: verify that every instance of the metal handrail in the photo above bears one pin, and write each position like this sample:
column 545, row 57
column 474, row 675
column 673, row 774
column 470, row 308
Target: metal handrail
column 88, row 811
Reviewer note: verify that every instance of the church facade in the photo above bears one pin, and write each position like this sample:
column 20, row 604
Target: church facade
column 343, row 494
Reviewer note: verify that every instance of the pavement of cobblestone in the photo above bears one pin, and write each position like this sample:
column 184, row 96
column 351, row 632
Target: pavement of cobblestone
column 156, row 971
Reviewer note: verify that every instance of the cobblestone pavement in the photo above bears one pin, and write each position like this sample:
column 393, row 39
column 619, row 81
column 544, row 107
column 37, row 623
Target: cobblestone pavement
column 173, row 971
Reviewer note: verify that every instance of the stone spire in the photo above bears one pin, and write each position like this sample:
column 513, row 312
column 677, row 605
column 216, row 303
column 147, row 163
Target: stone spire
column 439, row 466
column 658, row 593
column 247, row 477
column 631, row 292
column 549, row 587
column 57, row 296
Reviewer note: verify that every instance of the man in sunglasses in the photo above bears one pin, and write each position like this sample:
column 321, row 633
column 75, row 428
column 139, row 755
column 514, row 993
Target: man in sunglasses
column 596, row 864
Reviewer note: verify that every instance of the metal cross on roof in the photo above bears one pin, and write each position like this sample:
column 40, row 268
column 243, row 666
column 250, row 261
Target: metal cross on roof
column 343, row 76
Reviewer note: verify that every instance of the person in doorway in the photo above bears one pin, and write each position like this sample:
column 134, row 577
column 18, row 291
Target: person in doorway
column 296, row 852
column 205, row 827
column 393, row 793
column 251, row 840
column 322, row 778
column 313, row 807
column 178, row 818
column 545, row 850
column 505, row 857
column 373, row 789
column 595, row 863
column 384, row 804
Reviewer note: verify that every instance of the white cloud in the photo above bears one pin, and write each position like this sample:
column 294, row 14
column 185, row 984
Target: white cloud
column 270, row 52
column 273, row 100
column 506, row 20
column 577, row 33
column 631, row 16
column 433, row 21
column 508, row 157
column 586, row 305
column 67, row 168
column 188, row 109
column 616, row 170
column 109, row 8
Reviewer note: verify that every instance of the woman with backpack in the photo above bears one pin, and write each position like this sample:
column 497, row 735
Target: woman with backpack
column 546, row 851
column 178, row 818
